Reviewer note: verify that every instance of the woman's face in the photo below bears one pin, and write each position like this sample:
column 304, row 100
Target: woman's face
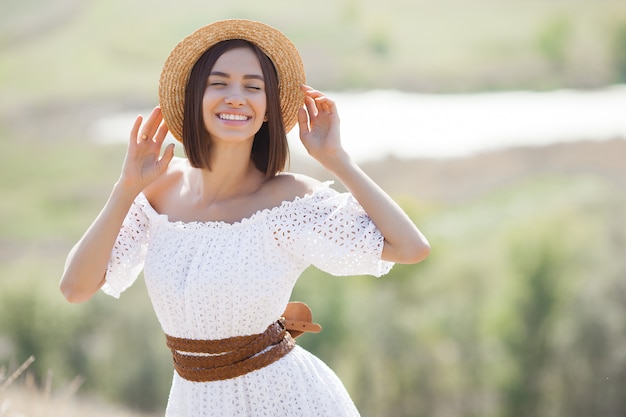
column 234, row 102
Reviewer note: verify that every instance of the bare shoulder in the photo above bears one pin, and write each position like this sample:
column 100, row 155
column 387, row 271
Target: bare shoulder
column 288, row 186
column 177, row 169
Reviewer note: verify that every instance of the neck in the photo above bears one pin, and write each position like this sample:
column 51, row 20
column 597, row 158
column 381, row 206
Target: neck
column 232, row 173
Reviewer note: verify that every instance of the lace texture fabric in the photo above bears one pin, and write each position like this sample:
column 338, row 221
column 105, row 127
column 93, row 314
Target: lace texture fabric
column 214, row 280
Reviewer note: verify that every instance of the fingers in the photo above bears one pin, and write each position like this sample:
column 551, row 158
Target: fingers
column 311, row 107
column 317, row 100
column 303, row 121
column 313, row 93
column 135, row 129
column 161, row 132
column 165, row 159
column 152, row 124
column 167, row 156
column 154, row 128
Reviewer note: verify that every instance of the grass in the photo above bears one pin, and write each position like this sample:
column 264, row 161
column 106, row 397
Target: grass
column 20, row 396
column 53, row 182
column 468, row 274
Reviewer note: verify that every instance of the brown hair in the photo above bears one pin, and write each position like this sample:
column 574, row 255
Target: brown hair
column 270, row 150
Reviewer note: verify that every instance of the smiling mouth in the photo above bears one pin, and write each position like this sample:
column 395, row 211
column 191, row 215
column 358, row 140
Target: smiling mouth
column 237, row 117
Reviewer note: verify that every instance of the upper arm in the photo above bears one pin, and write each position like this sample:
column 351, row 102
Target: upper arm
column 128, row 254
column 331, row 231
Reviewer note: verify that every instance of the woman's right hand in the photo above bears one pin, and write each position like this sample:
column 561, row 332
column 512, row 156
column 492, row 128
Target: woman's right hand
column 144, row 163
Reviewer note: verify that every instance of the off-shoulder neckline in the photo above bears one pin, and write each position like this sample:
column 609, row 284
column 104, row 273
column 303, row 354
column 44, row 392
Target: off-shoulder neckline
column 261, row 213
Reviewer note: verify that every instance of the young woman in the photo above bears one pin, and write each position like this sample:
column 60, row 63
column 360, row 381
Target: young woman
column 223, row 235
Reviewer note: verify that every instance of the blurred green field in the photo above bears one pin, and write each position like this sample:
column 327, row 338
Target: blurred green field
column 519, row 311
column 68, row 50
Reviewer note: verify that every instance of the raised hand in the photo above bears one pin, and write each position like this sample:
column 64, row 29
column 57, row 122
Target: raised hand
column 86, row 263
column 319, row 132
column 143, row 162
column 319, row 127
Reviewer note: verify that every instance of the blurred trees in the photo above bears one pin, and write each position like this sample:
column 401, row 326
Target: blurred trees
column 617, row 43
column 499, row 321
column 519, row 311
column 539, row 265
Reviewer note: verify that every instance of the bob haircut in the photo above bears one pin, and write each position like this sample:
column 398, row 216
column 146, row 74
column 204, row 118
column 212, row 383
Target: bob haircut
column 270, row 151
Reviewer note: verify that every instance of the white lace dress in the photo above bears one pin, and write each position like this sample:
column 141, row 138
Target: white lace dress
column 214, row 280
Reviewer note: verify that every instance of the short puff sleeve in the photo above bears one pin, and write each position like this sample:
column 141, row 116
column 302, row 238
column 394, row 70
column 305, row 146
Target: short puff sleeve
column 331, row 231
column 129, row 252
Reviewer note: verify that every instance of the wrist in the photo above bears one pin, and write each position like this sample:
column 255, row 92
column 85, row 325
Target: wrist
column 125, row 190
column 336, row 162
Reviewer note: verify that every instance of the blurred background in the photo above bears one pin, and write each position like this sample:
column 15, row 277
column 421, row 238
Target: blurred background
column 499, row 125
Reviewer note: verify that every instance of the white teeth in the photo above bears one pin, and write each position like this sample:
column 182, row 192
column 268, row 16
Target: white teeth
column 226, row 116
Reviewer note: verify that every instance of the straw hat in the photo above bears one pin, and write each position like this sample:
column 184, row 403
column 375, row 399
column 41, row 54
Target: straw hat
column 280, row 50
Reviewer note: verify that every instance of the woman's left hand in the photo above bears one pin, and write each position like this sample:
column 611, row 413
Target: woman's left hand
column 319, row 132
column 319, row 127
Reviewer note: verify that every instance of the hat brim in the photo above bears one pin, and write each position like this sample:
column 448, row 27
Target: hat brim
column 279, row 49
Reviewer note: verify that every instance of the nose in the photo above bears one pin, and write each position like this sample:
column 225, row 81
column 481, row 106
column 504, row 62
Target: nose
column 235, row 98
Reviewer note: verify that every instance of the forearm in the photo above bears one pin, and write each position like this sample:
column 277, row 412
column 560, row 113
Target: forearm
column 404, row 243
column 319, row 132
column 86, row 264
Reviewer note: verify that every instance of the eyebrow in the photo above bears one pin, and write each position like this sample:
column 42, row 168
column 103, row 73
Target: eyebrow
column 248, row 76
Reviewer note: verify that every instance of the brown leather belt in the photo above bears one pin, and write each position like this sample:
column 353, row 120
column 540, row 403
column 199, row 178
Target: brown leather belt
column 231, row 357
column 214, row 360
